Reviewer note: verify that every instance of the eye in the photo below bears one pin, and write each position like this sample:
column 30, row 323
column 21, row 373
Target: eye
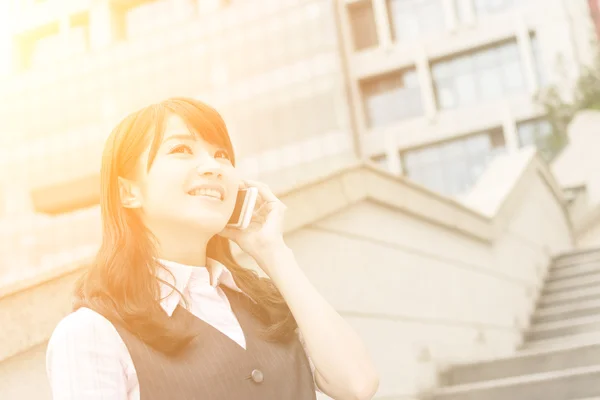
column 222, row 153
column 182, row 148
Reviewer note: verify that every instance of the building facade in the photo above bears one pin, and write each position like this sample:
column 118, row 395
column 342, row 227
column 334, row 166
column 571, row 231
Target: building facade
column 428, row 88
column 441, row 86
column 272, row 68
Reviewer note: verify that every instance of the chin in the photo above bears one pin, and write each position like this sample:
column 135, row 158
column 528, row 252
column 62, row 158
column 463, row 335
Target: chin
column 207, row 223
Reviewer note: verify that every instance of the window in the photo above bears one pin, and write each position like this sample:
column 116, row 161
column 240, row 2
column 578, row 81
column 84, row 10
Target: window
column 364, row 28
column 141, row 17
column 483, row 7
column 392, row 97
column 144, row 18
column 539, row 133
column 452, row 167
column 410, row 19
column 39, row 46
column 79, row 34
column 479, row 76
column 45, row 44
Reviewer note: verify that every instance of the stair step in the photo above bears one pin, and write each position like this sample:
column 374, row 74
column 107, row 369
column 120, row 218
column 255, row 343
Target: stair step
column 575, row 263
column 573, row 283
column 525, row 363
column 561, row 342
column 573, row 326
column 556, row 385
column 571, row 296
column 574, row 271
column 567, row 311
column 577, row 257
column 590, row 398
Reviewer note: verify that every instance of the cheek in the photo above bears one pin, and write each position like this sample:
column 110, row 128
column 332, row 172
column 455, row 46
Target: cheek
column 234, row 183
column 232, row 198
column 162, row 185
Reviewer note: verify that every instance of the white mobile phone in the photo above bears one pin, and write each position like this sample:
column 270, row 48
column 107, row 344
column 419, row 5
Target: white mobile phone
column 244, row 207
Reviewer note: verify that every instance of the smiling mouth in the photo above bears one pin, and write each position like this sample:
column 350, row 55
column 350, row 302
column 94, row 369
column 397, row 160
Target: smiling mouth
column 204, row 192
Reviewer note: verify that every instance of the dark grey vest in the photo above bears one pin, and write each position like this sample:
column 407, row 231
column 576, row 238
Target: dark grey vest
column 214, row 367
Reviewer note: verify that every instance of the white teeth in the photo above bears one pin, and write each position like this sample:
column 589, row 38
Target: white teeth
column 206, row 192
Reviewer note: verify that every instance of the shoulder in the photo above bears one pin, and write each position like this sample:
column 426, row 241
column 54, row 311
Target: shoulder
column 86, row 352
column 82, row 322
column 84, row 328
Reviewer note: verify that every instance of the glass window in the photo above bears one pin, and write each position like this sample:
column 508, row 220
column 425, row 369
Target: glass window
column 47, row 48
column 512, row 75
column 483, row 7
column 392, row 97
column 40, row 46
column 466, row 90
column 79, row 34
column 453, row 167
column 482, row 75
column 362, row 20
column 138, row 16
column 539, row 133
column 410, row 19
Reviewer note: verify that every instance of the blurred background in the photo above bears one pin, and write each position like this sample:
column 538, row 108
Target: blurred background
column 438, row 159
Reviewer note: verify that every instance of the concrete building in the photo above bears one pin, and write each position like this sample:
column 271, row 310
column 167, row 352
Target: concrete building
column 310, row 90
column 441, row 86
column 274, row 72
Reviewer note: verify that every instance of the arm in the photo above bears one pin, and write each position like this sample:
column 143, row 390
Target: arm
column 343, row 368
column 83, row 359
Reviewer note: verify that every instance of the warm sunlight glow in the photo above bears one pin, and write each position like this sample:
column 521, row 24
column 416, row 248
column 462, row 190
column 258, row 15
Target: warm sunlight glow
column 5, row 46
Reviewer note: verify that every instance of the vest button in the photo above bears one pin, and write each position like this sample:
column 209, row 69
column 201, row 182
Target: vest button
column 257, row 376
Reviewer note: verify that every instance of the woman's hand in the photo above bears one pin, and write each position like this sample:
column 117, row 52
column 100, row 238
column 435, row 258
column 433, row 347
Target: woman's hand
column 265, row 232
column 344, row 369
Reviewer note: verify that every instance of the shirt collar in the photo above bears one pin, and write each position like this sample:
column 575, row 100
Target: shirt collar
column 185, row 276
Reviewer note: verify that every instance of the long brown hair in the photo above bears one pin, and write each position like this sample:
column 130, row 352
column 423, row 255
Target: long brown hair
column 121, row 284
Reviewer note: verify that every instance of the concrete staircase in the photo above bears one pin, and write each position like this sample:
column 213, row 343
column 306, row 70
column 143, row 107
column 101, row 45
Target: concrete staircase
column 560, row 357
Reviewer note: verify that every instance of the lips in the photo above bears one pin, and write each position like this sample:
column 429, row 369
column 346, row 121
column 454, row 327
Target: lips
column 208, row 190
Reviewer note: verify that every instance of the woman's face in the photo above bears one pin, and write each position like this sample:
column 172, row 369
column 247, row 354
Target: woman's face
column 191, row 184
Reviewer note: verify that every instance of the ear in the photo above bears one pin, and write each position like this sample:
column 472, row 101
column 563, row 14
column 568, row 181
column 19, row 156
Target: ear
column 129, row 193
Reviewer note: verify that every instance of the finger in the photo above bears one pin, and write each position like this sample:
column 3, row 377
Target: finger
column 264, row 191
column 264, row 209
column 271, row 208
column 254, row 226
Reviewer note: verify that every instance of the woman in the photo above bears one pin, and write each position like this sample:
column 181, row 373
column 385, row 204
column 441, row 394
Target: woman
column 165, row 312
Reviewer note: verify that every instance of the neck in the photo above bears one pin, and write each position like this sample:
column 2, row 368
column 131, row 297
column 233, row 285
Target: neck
column 183, row 249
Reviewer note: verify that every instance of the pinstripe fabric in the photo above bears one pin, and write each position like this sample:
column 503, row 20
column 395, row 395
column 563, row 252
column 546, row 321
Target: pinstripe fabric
column 216, row 367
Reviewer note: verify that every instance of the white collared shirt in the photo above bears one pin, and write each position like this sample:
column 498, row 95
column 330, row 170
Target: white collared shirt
column 87, row 359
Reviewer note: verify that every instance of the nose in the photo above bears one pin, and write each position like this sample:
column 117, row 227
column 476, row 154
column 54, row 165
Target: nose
column 210, row 169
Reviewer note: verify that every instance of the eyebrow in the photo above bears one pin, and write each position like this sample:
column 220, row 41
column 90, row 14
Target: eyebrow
column 186, row 136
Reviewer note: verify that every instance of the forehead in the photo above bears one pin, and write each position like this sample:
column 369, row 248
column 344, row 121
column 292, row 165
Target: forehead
column 174, row 124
